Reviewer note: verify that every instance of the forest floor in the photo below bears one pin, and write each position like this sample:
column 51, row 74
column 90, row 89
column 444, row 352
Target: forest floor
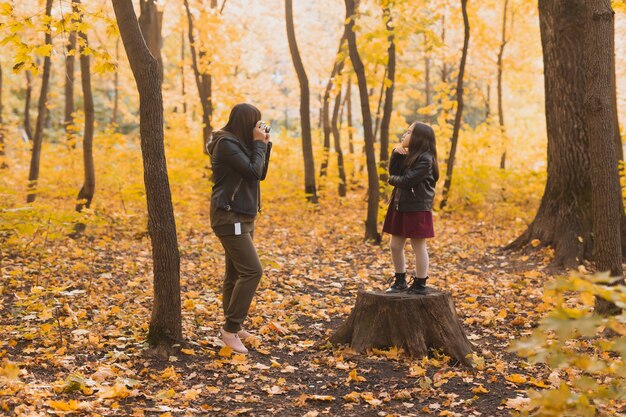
column 74, row 314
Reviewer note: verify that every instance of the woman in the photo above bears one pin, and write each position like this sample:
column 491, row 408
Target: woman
column 239, row 156
column 413, row 171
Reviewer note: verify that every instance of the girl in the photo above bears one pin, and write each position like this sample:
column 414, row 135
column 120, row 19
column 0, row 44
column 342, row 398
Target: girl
column 239, row 158
column 413, row 172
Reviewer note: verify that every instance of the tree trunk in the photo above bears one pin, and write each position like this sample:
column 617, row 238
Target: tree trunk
column 459, row 109
column 599, row 54
column 29, row 91
column 69, row 82
column 444, row 66
column 391, row 76
column 203, row 82
column 182, row 69
column 320, row 118
column 488, row 103
column 503, row 42
column 305, row 116
column 337, row 68
column 427, row 87
column 150, row 22
column 337, row 142
column 373, row 193
column 33, row 174
column 619, row 149
column 564, row 218
column 116, row 84
column 86, row 192
column 415, row 323
column 379, row 107
column 166, row 323
column 347, row 104
column 349, row 117
column 3, row 163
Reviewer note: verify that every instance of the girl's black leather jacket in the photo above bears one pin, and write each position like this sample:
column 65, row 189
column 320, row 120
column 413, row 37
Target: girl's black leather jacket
column 237, row 171
column 414, row 186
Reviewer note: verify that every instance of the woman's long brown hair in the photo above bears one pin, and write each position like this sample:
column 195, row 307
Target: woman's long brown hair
column 422, row 141
column 241, row 122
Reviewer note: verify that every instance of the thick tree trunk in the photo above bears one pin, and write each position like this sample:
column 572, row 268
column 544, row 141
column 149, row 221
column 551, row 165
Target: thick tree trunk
column 388, row 108
column 29, row 91
column 373, row 193
column 166, row 323
column 415, row 323
column 203, row 81
column 599, row 53
column 85, row 195
column 305, row 116
column 337, row 142
column 459, row 109
column 33, row 174
column 150, row 22
column 325, row 111
column 619, row 148
column 116, row 84
column 69, row 83
column 3, row 163
column 564, row 218
column 503, row 42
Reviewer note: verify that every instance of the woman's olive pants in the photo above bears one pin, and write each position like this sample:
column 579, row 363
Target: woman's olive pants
column 243, row 273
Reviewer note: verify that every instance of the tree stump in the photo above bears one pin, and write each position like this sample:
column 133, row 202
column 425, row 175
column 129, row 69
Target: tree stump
column 415, row 323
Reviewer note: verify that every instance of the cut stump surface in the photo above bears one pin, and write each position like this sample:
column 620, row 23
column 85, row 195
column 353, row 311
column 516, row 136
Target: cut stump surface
column 415, row 323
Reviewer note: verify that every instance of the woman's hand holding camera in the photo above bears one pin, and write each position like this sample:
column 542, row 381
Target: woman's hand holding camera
column 261, row 132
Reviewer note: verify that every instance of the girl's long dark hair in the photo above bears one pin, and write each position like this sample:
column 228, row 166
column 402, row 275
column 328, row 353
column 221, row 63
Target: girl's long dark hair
column 241, row 122
column 422, row 141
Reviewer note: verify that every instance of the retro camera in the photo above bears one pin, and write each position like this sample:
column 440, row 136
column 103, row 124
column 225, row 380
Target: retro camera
column 264, row 126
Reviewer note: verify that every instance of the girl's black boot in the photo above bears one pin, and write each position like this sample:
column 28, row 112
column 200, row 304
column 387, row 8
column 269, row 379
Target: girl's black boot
column 418, row 286
column 399, row 284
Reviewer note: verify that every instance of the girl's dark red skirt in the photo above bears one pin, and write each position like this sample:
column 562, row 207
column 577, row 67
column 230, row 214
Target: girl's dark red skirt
column 409, row 224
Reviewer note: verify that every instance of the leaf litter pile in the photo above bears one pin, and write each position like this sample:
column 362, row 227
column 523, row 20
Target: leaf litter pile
column 75, row 314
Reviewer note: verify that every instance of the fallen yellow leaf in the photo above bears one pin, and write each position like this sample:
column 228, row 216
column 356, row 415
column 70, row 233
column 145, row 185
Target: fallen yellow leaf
column 116, row 391
column 516, row 378
column 225, row 352
column 191, row 394
column 354, row 377
column 71, row 405
column 169, row 373
column 480, row 390
column 353, row 397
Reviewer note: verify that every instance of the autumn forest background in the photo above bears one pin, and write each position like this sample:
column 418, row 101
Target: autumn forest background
column 110, row 274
